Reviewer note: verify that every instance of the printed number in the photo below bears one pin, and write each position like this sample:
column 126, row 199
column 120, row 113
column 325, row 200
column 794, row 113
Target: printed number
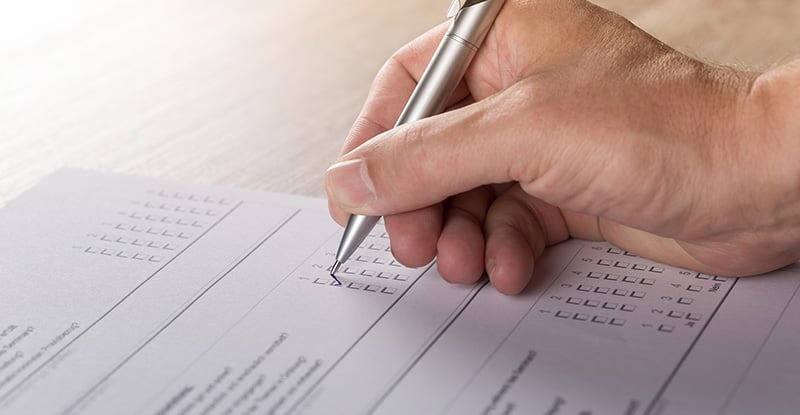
column 318, row 266
column 555, row 297
column 657, row 311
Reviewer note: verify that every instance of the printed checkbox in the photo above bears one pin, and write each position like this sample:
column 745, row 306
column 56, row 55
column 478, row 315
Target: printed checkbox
column 630, row 279
column 605, row 262
column 612, row 277
column 183, row 222
column 184, row 235
column 628, row 307
column 372, row 288
column 389, row 290
column 647, row 281
column 155, row 244
column 595, row 275
column 666, row 328
column 676, row 314
column 322, row 281
column 657, row 270
column 401, row 277
column 585, row 288
column 620, row 292
column 638, row 294
column 600, row 319
column 124, row 240
column 355, row 285
column 122, row 227
column 375, row 247
column 702, row 276
column 694, row 316
column 168, row 220
column 139, row 242
column 124, row 254
column 109, row 252
column 156, row 258
column 368, row 273
column 106, row 238
column 581, row 317
column 602, row 290
column 610, row 306
column 211, row 212
column 140, row 257
column 198, row 224
column 350, row 271
column 170, row 247
column 591, row 303
column 363, row 258
column 640, row 267
column 169, row 233
column 695, row 288
column 622, row 264
column 575, row 300
column 380, row 261
column 384, row 275
column 155, row 231
column 716, row 278
column 395, row 263
column 617, row 322
column 615, row 251
column 685, row 301
column 563, row 314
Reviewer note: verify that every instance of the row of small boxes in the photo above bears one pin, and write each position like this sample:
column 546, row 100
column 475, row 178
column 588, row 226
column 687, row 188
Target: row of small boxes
column 170, row 220
column 357, row 286
column 192, row 197
column 123, row 254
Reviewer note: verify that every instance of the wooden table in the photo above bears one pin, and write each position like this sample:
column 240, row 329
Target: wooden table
column 255, row 93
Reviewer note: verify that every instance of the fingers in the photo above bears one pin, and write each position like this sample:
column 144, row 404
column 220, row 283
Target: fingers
column 518, row 228
column 461, row 244
column 414, row 234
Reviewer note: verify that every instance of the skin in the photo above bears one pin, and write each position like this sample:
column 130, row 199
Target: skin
column 572, row 122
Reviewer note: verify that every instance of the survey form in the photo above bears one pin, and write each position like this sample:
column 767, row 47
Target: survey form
column 130, row 295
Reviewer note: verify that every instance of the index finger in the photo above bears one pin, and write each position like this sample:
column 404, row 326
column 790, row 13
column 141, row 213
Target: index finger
column 393, row 86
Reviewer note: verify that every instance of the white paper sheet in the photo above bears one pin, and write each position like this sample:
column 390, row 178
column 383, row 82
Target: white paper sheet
column 128, row 295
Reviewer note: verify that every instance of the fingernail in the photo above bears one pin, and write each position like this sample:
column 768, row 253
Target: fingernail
column 490, row 267
column 349, row 183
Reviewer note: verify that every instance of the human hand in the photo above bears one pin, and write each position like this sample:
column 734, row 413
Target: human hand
column 573, row 122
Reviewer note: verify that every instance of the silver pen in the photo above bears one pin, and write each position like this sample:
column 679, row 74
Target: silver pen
column 472, row 20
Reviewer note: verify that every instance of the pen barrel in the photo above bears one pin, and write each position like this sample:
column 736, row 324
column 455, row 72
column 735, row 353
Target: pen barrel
column 358, row 228
column 450, row 61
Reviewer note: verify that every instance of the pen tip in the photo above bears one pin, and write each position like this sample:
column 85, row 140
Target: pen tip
column 334, row 269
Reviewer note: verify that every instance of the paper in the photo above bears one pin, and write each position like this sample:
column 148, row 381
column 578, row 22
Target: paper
column 136, row 296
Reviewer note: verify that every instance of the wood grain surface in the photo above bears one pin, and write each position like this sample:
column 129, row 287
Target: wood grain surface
column 255, row 93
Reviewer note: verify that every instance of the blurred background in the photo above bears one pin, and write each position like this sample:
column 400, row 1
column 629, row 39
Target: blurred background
column 256, row 93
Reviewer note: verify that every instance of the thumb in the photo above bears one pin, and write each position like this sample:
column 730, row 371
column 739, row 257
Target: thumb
column 423, row 163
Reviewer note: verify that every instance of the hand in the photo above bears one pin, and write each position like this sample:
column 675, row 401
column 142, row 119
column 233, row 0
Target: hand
column 573, row 122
